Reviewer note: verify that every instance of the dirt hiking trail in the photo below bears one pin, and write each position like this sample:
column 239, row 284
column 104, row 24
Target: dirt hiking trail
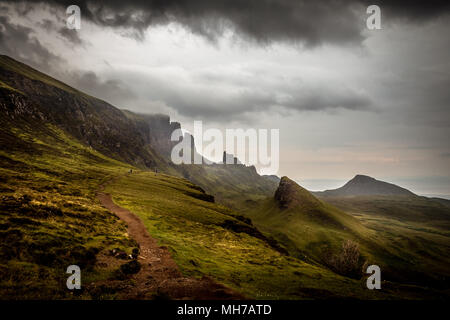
column 159, row 274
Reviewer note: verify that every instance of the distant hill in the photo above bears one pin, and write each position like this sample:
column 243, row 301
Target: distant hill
column 365, row 185
column 314, row 228
column 366, row 195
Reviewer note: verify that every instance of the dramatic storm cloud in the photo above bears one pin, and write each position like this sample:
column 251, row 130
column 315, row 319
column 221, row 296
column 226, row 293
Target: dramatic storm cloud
column 19, row 41
column 347, row 100
column 264, row 21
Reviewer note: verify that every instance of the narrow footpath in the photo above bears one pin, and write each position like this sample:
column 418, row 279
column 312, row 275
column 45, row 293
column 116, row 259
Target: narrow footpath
column 159, row 273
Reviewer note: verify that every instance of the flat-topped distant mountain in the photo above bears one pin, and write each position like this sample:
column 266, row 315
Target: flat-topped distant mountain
column 366, row 195
column 365, row 185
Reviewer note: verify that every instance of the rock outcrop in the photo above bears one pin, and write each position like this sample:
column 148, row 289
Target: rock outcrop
column 289, row 195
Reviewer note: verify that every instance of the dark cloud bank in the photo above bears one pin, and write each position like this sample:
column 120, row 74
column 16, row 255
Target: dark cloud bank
column 19, row 42
column 23, row 43
column 262, row 21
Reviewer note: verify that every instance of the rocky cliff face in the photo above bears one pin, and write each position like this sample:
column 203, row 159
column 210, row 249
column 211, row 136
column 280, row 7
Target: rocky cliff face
column 141, row 140
column 92, row 121
column 223, row 181
column 290, row 195
column 156, row 130
column 14, row 104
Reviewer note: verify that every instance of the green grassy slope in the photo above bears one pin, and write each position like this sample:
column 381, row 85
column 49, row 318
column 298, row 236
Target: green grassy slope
column 49, row 215
column 308, row 227
column 413, row 209
column 233, row 185
column 91, row 121
column 50, row 219
column 193, row 230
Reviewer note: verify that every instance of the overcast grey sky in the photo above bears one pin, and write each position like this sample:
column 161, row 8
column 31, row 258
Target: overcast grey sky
column 347, row 100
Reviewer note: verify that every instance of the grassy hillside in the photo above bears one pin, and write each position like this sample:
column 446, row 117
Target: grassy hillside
column 49, row 216
column 50, row 219
column 306, row 225
column 201, row 237
column 316, row 230
column 26, row 92
column 236, row 186
column 403, row 208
